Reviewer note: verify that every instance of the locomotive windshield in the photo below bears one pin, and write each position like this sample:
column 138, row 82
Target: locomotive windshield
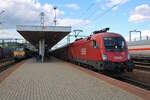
column 19, row 49
column 114, row 44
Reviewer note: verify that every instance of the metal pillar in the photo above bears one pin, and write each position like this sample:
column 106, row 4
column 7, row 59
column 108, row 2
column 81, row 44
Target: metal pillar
column 140, row 35
column 3, row 43
column 42, row 49
column 130, row 38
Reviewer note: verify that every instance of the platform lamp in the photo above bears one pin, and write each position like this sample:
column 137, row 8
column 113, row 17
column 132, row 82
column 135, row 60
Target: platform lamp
column 42, row 18
column 55, row 21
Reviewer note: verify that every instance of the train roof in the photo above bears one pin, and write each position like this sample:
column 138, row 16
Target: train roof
column 140, row 42
column 104, row 34
column 66, row 45
column 107, row 34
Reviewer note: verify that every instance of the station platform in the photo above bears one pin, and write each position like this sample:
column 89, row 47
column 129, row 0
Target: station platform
column 58, row 80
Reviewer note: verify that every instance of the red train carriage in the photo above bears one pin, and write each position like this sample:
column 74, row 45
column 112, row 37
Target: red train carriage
column 102, row 50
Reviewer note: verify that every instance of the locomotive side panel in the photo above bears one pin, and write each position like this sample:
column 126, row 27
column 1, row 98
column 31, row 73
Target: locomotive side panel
column 84, row 50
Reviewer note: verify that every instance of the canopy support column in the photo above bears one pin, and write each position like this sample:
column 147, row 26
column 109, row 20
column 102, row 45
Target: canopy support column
column 42, row 49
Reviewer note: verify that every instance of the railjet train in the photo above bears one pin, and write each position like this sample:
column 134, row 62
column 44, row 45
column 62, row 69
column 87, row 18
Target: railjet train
column 104, row 51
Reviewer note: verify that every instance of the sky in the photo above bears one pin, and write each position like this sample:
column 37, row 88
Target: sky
column 88, row 15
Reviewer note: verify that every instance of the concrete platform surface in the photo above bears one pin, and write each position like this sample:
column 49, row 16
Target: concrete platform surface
column 56, row 80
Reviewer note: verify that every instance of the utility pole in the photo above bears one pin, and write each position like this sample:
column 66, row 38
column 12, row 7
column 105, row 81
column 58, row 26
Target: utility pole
column 55, row 20
column 1, row 14
column 1, row 23
column 135, row 31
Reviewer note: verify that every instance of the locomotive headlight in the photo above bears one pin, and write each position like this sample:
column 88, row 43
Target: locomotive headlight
column 104, row 57
column 128, row 56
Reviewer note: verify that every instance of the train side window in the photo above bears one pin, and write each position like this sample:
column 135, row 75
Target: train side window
column 95, row 44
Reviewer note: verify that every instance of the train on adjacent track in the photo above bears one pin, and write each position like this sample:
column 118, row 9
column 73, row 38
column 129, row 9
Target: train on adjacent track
column 104, row 51
column 5, row 53
column 19, row 53
column 140, row 50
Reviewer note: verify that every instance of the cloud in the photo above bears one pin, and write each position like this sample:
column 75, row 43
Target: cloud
column 9, row 35
column 105, row 4
column 73, row 6
column 72, row 22
column 25, row 11
column 98, row 0
column 140, row 14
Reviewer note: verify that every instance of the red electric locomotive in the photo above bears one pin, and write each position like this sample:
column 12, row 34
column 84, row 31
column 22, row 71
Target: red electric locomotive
column 103, row 50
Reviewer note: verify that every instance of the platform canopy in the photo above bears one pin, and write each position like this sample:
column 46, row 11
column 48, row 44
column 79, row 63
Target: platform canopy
column 51, row 34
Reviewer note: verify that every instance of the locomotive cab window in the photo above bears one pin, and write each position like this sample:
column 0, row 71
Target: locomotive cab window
column 114, row 44
column 95, row 44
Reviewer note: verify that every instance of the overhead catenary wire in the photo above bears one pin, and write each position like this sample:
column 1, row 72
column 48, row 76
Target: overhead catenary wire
column 2, row 12
column 107, row 11
column 82, row 15
column 87, row 10
column 104, row 13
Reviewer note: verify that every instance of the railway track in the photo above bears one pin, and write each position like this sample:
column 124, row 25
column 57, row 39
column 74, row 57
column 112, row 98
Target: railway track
column 142, row 66
column 135, row 82
column 5, row 63
column 131, row 79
